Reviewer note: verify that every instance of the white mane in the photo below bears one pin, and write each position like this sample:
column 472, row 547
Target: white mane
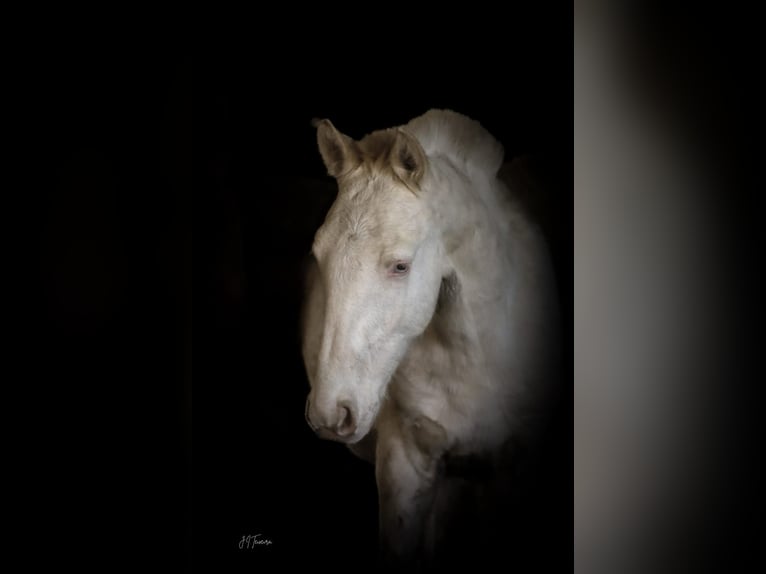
column 463, row 140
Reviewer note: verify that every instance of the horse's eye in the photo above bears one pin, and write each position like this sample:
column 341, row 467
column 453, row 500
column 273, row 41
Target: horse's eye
column 400, row 268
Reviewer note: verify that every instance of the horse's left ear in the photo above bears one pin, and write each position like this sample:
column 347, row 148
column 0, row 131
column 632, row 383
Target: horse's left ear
column 408, row 158
column 339, row 152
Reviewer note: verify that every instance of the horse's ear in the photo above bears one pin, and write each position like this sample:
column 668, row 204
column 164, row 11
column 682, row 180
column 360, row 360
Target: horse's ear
column 408, row 158
column 339, row 152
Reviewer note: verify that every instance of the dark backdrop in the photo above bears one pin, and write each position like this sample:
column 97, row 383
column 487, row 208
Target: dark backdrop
column 258, row 467
column 147, row 145
column 105, row 442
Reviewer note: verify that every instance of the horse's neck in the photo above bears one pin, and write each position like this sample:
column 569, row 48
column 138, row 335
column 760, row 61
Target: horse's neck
column 462, row 213
column 485, row 238
column 473, row 222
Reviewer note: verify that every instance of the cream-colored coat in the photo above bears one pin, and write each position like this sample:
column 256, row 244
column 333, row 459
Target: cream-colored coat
column 431, row 314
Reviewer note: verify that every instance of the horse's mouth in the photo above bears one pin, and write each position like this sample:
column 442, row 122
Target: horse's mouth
column 325, row 434
column 308, row 419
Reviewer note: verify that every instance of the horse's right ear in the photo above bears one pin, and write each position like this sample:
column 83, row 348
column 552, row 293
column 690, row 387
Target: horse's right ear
column 339, row 152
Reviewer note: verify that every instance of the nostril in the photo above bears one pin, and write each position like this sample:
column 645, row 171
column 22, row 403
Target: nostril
column 346, row 420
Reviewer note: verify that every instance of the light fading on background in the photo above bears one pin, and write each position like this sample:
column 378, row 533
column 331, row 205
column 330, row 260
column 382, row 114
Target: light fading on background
column 649, row 328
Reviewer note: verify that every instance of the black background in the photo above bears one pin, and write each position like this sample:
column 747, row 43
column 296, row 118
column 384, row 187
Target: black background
column 263, row 470
column 137, row 138
column 152, row 143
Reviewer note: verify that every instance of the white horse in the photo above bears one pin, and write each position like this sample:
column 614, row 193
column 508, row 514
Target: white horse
column 431, row 313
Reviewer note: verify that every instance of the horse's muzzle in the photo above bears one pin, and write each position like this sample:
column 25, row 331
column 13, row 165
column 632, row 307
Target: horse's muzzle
column 341, row 426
